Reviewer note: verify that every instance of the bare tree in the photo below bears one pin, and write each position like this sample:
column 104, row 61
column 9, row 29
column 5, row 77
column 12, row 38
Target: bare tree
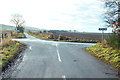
column 112, row 14
column 18, row 20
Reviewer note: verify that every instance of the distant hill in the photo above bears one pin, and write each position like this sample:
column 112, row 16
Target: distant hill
column 27, row 28
column 7, row 27
column 57, row 31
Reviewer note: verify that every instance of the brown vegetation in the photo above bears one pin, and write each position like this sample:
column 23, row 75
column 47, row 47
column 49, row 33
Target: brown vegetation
column 10, row 34
column 9, row 50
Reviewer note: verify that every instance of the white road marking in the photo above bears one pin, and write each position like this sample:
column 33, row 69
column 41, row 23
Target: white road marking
column 56, row 44
column 59, row 56
column 30, row 48
column 63, row 76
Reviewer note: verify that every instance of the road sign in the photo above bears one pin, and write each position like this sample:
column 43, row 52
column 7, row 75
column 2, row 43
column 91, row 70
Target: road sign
column 103, row 29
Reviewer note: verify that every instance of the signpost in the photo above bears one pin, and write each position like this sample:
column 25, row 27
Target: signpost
column 102, row 29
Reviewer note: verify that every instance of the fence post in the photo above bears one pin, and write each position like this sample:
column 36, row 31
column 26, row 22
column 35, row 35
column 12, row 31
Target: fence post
column 5, row 35
column 2, row 36
column 11, row 34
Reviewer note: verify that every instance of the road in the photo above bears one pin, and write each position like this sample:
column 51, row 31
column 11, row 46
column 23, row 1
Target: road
column 50, row 59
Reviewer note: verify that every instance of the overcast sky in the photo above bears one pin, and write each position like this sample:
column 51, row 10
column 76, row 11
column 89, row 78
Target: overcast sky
column 81, row 15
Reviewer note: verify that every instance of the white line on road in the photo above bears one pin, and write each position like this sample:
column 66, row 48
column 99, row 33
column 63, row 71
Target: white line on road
column 56, row 44
column 59, row 56
column 63, row 76
column 30, row 48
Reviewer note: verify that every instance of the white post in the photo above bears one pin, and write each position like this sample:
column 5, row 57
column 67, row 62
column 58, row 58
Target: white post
column 102, row 35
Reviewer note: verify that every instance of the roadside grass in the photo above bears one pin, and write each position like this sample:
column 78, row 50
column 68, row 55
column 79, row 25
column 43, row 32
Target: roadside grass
column 41, row 35
column 60, row 38
column 9, row 49
column 106, row 53
column 12, row 34
column 79, row 41
column 17, row 35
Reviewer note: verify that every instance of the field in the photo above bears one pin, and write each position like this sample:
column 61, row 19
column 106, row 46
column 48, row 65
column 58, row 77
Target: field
column 86, row 36
column 71, row 37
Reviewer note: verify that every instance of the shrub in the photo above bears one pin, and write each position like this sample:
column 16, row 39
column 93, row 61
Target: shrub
column 61, row 37
column 21, row 29
column 51, row 36
column 113, row 41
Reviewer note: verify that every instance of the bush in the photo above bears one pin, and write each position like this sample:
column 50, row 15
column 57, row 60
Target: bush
column 51, row 36
column 114, row 41
column 61, row 37
column 21, row 29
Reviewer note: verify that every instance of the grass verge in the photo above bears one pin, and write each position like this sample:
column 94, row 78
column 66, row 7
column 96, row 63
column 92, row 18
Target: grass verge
column 107, row 54
column 9, row 51
column 79, row 41
column 18, row 35
column 40, row 35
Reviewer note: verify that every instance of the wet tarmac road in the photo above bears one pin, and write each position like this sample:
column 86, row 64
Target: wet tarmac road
column 50, row 59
